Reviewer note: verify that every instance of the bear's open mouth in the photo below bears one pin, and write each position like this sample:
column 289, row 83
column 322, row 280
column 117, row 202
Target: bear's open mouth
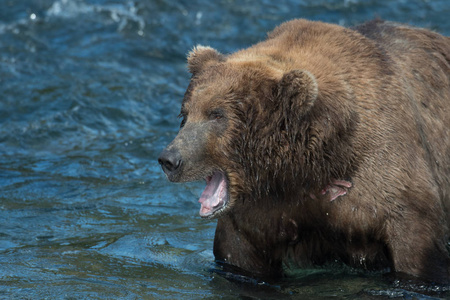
column 214, row 198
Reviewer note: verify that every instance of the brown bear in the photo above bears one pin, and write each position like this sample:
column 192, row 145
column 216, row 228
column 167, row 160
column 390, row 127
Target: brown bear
column 322, row 144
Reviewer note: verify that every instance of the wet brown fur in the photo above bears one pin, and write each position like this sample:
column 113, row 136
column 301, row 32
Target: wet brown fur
column 316, row 102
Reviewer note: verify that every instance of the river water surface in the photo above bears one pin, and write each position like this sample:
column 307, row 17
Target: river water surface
column 90, row 91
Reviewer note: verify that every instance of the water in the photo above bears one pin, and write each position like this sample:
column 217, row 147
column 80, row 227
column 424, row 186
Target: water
column 90, row 91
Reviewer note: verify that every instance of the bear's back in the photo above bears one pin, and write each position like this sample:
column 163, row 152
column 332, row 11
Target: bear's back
column 423, row 58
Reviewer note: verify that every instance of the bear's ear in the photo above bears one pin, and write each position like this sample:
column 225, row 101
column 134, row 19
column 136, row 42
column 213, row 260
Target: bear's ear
column 202, row 56
column 297, row 91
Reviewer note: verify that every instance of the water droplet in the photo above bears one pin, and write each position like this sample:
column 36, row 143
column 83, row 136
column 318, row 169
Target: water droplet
column 198, row 18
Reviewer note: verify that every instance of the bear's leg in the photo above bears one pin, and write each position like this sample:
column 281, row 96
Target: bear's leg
column 418, row 248
column 232, row 247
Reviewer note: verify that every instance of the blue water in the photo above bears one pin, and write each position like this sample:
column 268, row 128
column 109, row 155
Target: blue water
column 89, row 94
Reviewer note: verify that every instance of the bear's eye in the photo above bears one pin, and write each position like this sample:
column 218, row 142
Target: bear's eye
column 216, row 114
column 183, row 122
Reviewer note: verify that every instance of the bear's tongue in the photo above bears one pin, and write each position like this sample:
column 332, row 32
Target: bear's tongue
column 214, row 196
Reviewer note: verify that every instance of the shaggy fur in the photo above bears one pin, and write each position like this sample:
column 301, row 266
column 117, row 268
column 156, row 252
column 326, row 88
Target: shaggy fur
column 315, row 104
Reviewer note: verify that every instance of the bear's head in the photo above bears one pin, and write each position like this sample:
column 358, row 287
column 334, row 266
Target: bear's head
column 246, row 129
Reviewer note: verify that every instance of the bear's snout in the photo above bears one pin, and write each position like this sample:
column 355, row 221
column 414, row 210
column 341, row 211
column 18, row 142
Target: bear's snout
column 170, row 161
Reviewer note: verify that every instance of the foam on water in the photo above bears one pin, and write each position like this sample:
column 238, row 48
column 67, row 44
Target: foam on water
column 122, row 14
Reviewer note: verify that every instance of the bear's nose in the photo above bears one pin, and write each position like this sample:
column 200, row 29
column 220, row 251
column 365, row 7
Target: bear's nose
column 170, row 160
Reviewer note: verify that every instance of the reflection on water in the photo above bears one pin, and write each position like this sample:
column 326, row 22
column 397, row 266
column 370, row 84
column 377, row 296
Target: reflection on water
column 90, row 91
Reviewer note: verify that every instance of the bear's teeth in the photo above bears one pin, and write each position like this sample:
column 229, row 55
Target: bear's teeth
column 214, row 197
